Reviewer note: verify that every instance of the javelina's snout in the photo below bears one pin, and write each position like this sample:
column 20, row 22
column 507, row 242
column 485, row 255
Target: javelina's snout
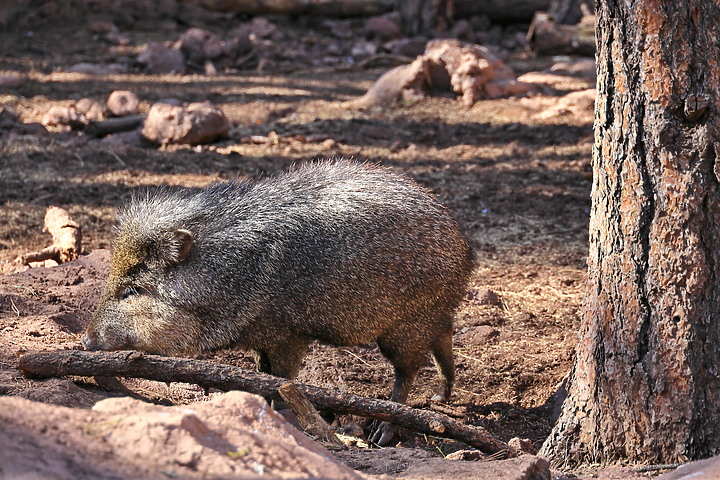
column 340, row 252
column 88, row 343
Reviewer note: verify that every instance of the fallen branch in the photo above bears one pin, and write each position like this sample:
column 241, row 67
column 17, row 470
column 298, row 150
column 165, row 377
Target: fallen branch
column 114, row 125
column 226, row 377
column 66, row 235
column 309, row 418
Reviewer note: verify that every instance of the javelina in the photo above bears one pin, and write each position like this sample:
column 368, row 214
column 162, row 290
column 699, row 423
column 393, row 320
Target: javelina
column 336, row 251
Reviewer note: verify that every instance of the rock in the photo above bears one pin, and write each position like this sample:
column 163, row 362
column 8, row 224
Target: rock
column 233, row 435
column 200, row 45
column 474, row 71
column 91, row 110
column 526, row 467
column 161, row 59
column 64, row 117
column 11, row 80
column 483, row 296
column 408, row 47
column 481, row 334
column 122, row 103
column 194, row 124
column 471, row 71
column 262, row 28
column 517, row 446
column 468, row 455
column 238, row 41
column 706, row 469
column 382, row 28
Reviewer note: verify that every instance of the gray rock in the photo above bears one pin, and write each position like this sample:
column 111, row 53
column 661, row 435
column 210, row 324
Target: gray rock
column 194, row 124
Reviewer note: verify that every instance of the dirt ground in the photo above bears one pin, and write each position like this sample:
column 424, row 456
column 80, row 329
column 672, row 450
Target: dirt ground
column 517, row 179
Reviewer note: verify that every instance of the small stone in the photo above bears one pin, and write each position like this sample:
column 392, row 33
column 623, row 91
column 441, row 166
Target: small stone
column 518, row 446
column 194, row 124
column 383, row 28
column 329, row 144
column 483, row 296
column 122, row 103
column 162, row 59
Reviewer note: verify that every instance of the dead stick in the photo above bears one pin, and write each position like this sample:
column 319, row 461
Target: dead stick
column 67, row 239
column 226, row 377
column 309, row 418
column 114, row 125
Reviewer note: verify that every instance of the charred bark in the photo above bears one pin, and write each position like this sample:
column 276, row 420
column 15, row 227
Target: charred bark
column 645, row 381
column 226, row 377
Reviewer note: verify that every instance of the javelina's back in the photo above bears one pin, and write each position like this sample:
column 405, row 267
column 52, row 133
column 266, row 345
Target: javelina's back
column 336, row 251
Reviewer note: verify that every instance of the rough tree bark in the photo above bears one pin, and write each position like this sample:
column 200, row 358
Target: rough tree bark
column 645, row 386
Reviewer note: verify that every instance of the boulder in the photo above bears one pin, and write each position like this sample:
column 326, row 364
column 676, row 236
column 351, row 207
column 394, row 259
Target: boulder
column 193, row 124
column 233, row 435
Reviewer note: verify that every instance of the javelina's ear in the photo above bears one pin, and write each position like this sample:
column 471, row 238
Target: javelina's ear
column 174, row 247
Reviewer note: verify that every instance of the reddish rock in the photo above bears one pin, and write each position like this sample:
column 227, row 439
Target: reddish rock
column 706, row 469
column 200, row 45
column 122, row 103
column 483, row 296
column 61, row 116
column 518, row 446
column 409, row 47
column 194, row 124
column 161, row 59
column 480, row 335
column 90, row 109
column 234, row 435
column 383, row 28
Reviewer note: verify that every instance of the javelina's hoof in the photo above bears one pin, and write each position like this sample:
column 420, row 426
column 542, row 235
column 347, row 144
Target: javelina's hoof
column 383, row 434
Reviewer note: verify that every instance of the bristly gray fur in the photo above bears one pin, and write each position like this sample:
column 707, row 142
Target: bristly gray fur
column 336, row 251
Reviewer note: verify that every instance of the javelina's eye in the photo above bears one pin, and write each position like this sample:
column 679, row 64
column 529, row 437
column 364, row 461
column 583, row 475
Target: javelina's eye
column 128, row 292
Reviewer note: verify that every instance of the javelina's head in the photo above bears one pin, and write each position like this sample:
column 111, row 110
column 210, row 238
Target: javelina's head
column 141, row 307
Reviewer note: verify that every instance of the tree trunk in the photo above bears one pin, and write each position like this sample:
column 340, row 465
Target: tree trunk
column 423, row 17
column 645, row 385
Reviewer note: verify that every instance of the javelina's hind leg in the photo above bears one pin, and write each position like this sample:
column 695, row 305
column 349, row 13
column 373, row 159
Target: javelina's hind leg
column 443, row 356
column 407, row 356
